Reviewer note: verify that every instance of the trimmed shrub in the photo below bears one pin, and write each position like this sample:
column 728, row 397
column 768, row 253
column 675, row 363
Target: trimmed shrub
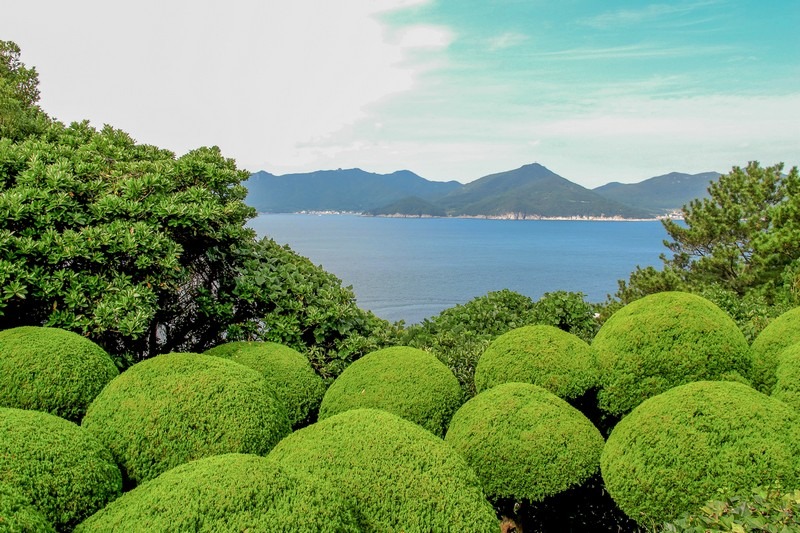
column 408, row 382
column 174, row 408
column 17, row 513
column 541, row 355
column 51, row 370
column 787, row 384
column 698, row 442
column 398, row 476
column 58, row 468
column 664, row 340
column 286, row 370
column 779, row 334
column 525, row 442
column 231, row 492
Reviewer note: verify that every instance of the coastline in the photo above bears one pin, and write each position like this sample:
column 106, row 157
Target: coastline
column 506, row 216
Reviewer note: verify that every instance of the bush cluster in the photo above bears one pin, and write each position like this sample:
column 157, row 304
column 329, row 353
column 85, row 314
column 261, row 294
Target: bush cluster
column 525, row 442
column 230, row 492
column 662, row 341
column 779, row 334
column 174, row 408
column 59, row 468
column 286, row 370
column 51, row 370
column 787, row 377
column 696, row 442
column 402, row 477
column 541, row 355
column 17, row 513
column 407, row 382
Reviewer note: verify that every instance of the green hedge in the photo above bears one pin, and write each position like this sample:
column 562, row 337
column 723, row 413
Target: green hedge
column 400, row 476
column 525, row 442
column 18, row 515
column 664, row 340
column 286, row 370
column 697, row 442
column 408, row 382
column 787, row 383
column 779, row 334
column 174, row 408
column 231, row 492
column 58, row 467
column 51, row 370
column 541, row 355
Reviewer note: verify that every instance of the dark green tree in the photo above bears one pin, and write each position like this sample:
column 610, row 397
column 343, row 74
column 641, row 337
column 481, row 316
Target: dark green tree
column 19, row 94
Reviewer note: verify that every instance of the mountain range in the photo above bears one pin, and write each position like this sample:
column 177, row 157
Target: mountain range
column 531, row 191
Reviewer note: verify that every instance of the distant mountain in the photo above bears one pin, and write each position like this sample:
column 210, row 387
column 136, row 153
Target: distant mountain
column 412, row 206
column 339, row 190
column 532, row 191
column 661, row 194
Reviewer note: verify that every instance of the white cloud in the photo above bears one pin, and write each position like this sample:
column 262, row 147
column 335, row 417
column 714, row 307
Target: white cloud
column 506, row 40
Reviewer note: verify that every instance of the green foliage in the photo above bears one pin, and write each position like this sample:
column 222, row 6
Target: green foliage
column 407, row 382
column 787, row 383
column 231, row 492
column 174, row 408
column 400, row 476
column 665, row 340
column 51, row 370
column 286, row 370
column 18, row 515
column 58, row 467
column 19, row 93
column 541, row 355
column 766, row 509
column 568, row 311
column 524, row 442
column 698, row 441
column 779, row 334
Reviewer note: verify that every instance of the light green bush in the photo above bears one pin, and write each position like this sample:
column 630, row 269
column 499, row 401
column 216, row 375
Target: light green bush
column 525, row 442
column 787, row 383
column 58, row 467
column 174, row 408
column 286, row 370
column 408, row 382
column 231, row 492
column 18, row 515
column 51, row 370
column 697, row 442
column 664, row 340
column 402, row 477
column 779, row 334
column 541, row 355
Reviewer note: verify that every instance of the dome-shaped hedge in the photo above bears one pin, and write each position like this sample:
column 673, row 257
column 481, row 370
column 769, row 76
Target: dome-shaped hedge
column 59, row 468
column 525, row 442
column 286, row 370
column 408, row 382
column 787, row 384
column 17, row 513
column 402, row 477
column 779, row 334
column 231, row 492
column 541, row 355
column 177, row 407
column 664, row 340
column 697, row 442
column 51, row 370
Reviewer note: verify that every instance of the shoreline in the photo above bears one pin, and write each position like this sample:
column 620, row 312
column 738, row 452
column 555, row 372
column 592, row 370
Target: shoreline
column 507, row 216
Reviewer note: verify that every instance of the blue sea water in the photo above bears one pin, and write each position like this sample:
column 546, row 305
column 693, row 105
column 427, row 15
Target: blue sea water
column 413, row 268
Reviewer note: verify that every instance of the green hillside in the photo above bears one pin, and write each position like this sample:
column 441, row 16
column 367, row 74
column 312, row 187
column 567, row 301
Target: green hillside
column 409, row 206
column 661, row 194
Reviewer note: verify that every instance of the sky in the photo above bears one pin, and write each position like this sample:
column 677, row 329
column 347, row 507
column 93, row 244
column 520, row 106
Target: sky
column 450, row 89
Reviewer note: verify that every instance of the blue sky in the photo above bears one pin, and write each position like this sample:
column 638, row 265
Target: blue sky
column 450, row 89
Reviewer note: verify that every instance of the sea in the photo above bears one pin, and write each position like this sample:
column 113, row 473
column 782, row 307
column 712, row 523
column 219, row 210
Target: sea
column 410, row 269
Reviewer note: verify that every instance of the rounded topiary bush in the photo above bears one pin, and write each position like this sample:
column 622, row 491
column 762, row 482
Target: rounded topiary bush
column 664, row 340
column 400, row 476
column 541, row 355
column 17, row 513
column 51, row 370
column 779, row 334
column 697, row 442
column 177, row 407
column 525, row 442
column 285, row 369
column 231, row 492
column 787, row 383
column 58, row 468
column 408, row 382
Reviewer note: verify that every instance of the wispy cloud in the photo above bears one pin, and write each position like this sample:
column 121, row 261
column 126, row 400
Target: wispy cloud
column 627, row 17
column 632, row 52
column 506, row 40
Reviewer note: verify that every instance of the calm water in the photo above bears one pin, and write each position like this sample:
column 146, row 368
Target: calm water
column 409, row 268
